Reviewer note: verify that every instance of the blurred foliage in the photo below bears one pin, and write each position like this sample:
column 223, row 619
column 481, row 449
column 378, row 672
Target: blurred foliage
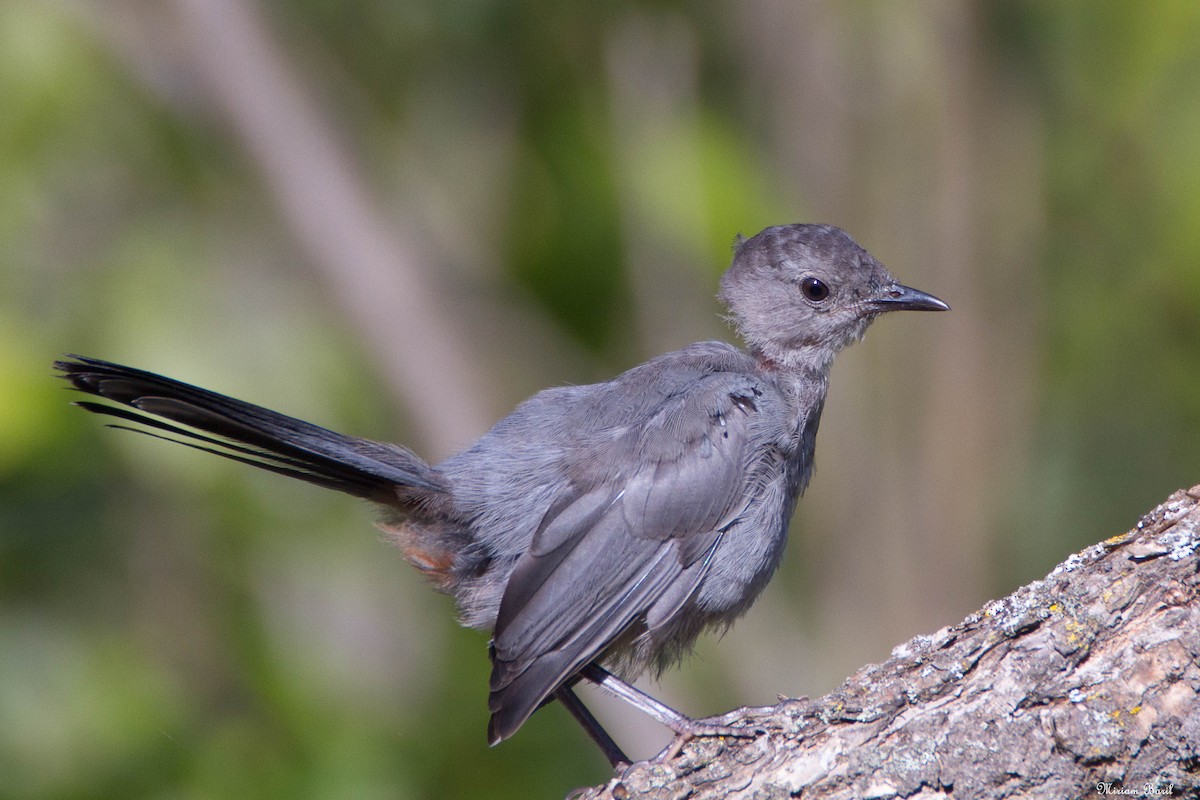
column 174, row 627
column 1119, row 380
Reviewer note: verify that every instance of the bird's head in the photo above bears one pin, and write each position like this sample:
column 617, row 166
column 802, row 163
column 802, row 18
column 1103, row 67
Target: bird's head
column 800, row 293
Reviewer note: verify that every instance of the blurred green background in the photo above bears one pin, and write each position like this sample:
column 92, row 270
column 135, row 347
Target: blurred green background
column 400, row 219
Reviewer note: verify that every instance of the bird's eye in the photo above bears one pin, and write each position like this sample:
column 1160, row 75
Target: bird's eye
column 814, row 289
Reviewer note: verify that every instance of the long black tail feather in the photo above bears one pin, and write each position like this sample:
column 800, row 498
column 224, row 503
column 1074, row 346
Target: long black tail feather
column 251, row 434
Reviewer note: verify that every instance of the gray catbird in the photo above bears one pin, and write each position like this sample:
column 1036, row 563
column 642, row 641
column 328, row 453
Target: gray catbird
column 598, row 527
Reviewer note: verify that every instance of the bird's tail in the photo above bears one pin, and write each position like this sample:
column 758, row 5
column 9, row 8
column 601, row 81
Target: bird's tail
column 168, row 409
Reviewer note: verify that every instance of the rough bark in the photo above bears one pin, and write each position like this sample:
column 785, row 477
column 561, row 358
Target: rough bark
column 1081, row 684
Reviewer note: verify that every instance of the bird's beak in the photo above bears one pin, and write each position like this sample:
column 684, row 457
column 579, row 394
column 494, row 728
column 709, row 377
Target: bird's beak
column 905, row 298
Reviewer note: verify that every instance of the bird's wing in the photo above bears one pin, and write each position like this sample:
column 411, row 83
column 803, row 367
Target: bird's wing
column 627, row 542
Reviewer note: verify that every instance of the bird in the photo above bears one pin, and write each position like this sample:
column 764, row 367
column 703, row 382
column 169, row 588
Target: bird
column 597, row 530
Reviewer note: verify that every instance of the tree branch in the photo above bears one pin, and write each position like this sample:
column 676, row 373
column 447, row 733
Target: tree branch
column 369, row 262
column 1082, row 683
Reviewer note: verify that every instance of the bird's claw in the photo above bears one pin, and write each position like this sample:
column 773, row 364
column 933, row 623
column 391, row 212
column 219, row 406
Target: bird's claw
column 697, row 729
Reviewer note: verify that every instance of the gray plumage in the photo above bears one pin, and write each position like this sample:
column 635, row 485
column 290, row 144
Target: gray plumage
column 610, row 523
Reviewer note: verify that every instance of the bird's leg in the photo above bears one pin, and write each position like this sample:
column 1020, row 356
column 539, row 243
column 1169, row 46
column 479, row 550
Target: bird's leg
column 594, row 729
column 686, row 727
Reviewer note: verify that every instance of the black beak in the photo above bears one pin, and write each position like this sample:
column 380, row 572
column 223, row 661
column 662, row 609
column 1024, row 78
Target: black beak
column 905, row 298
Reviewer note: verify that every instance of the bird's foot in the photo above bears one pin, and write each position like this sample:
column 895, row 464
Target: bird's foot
column 687, row 729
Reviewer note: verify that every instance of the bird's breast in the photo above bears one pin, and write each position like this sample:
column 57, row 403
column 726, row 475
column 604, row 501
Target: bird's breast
column 749, row 552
